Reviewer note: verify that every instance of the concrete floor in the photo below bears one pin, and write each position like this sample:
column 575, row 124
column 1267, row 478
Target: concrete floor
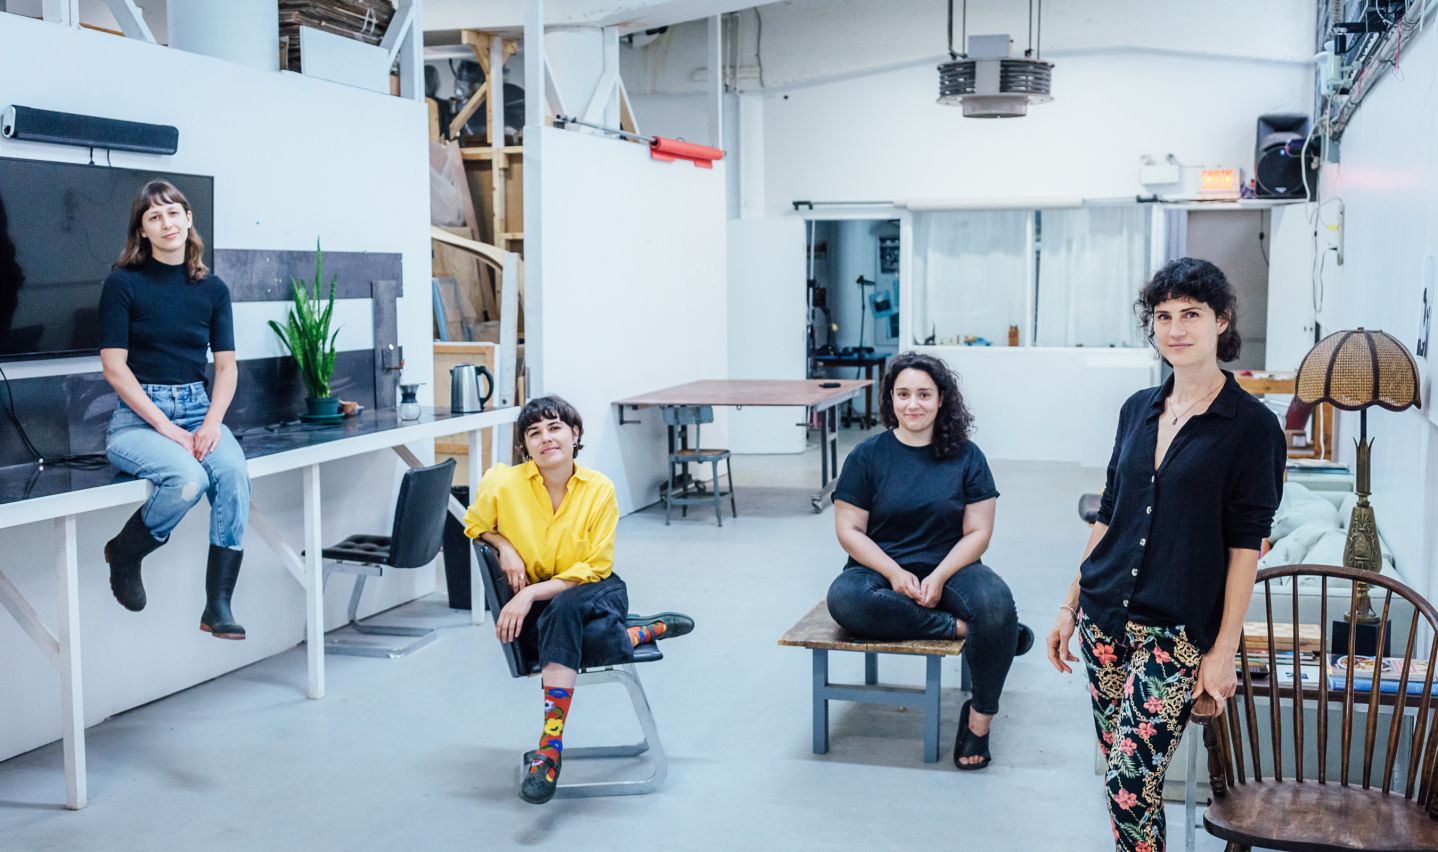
column 421, row 753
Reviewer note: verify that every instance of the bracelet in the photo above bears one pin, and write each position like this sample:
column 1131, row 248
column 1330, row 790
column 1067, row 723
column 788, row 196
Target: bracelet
column 1072, row 612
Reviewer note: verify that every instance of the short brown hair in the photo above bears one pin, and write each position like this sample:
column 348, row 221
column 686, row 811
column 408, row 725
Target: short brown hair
column 551, row 407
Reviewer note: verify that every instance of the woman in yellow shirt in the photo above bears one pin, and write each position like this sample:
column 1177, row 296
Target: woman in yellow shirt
column 553, row 522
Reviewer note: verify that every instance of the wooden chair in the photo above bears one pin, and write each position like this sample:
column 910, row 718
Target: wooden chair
column 1389, row 806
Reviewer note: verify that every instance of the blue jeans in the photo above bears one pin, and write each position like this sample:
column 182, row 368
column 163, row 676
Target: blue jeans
column 179, row 479
column 864, row 603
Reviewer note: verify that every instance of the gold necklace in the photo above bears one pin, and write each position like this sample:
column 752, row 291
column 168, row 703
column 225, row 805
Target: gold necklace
column 1191, row 406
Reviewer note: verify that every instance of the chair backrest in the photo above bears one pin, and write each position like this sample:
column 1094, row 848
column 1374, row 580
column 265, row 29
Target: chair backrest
column 497, row 593
column 1239, row 738
column 419, row 515
column 688, row 415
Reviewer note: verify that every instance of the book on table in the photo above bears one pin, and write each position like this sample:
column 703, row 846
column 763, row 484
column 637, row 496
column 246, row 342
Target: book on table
column 1389, row 670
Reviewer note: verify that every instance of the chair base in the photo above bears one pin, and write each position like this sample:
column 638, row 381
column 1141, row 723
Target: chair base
column 626, row 676
column 1312, row 816
column 422, row 636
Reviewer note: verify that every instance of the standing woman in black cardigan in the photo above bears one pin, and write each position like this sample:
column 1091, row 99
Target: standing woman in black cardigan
column 161, row 310
column 1159, row 601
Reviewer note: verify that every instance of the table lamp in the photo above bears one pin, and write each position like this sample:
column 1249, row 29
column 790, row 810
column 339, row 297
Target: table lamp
column 1354, row 371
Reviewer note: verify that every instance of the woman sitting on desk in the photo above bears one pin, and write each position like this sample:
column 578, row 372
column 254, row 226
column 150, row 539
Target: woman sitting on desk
column 553, row 523
column 160, row 310
column 914, row 509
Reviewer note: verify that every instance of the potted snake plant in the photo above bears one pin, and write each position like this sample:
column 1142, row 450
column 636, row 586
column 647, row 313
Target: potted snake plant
column 306, row 334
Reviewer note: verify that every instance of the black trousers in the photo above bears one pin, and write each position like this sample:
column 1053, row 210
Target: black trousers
column 580, row 628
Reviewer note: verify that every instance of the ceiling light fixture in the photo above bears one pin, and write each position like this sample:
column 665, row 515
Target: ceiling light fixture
column 986, row 80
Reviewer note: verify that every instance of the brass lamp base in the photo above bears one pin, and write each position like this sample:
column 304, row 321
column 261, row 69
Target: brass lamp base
column 1362, row 550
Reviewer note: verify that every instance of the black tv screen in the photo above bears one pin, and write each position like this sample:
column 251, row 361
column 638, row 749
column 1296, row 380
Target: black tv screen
column 62, row 225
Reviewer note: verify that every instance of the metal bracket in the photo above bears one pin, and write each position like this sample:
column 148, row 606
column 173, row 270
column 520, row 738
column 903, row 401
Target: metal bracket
column 622, row 421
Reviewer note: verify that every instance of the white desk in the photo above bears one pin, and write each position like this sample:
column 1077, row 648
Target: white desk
column 64, row 494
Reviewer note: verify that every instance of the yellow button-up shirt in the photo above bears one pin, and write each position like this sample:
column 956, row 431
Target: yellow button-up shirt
column 574, row 542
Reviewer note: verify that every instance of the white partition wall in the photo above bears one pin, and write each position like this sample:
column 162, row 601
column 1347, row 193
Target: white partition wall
column 633, row 297
column 766, row 327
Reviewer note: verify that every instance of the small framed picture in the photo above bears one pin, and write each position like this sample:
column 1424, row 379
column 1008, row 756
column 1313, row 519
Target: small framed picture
column 888, row 255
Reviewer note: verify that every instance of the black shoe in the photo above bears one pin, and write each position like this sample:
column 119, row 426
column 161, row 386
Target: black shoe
column 675, row 623
column 969, row 744
column 220, row 576
column 536, row 788
column 124, row 552
column 1026, row 641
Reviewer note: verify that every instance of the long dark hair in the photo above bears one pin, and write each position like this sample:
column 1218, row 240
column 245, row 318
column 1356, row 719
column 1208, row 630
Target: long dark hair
column 954, row 422
column 137, row 248
column 551, row 407
column 1198, row 281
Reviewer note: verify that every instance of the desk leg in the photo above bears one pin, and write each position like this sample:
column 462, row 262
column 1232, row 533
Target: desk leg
column 314, row 584
column 476, row 469
column 828, row 456
column 72, row 699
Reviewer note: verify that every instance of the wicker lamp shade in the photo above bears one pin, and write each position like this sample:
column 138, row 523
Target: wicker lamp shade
column 1353, row 370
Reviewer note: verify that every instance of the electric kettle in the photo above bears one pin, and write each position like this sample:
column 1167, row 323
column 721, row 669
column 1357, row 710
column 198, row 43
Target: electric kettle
column 464, row 397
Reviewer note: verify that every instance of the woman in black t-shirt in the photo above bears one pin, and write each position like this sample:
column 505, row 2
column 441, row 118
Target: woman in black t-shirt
column 160, row 311
column 914, row 509
column 1195, row 477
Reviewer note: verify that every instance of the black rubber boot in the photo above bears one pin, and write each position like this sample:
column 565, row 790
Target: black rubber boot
column 220, row 576
column 124, row 553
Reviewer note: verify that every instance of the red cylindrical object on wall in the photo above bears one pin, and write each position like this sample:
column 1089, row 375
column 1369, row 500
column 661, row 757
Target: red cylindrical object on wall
column 663, row 148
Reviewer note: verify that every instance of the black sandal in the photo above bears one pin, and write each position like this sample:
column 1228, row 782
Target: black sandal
column 1025, row 641
column 536, row 788
column 969, row 744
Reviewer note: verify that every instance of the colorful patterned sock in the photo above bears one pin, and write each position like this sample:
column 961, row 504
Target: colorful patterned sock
column 646, row 633
column 556, row 713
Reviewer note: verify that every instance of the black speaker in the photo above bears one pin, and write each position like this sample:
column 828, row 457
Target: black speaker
column 88, row 131
column 1278, row 162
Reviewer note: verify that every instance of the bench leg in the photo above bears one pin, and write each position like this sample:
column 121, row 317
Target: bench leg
column 931, row 709
column 821, row 704
column 871, row 669
column 966, row 677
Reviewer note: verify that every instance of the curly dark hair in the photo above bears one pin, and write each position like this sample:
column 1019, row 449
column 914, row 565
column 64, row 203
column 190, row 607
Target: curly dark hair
column 551, row 407
column 954, row 422
column 1198, row 281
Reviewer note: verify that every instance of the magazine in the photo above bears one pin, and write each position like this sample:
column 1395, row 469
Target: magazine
column 1390, row 671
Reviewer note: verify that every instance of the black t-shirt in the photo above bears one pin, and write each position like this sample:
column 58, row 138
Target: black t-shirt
column 166, row 321
column 915, row 501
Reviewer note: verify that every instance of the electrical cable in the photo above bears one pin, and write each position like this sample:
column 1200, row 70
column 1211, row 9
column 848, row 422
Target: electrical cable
column 759, row 44
column 86, row 461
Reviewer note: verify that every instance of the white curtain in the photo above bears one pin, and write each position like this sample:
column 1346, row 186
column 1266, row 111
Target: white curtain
column 971, row 271
column 1092, row 262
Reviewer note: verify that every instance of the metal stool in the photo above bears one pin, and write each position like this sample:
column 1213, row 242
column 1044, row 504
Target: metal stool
column 679, row 418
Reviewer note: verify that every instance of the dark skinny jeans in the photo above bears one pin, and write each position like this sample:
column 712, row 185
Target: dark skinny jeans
column 864, row 603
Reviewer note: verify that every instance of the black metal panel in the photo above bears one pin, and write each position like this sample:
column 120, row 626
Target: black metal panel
column 264, row 276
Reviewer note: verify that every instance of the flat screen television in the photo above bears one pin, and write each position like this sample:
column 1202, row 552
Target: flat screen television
column 61, row 227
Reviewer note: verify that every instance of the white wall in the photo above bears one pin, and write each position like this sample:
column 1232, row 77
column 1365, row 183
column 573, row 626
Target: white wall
column 293, row 158
column 766, row 327
column 1387, row 182
column 882, row 137
column 633, row 294
column 1047, row 404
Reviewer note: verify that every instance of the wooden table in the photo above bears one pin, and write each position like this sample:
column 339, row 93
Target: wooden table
column 817, row 396
column 872, row 364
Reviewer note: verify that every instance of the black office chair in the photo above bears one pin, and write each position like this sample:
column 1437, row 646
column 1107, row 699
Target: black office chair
column 497, row 593
column 413, row 542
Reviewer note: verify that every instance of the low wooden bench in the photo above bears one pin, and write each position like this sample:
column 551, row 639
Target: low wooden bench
column 818, row 632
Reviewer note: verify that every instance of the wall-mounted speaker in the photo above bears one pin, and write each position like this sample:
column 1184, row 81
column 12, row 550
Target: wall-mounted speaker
column 1279, row 166
column 87, row 131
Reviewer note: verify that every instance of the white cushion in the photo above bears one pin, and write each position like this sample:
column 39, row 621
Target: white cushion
column 1301, row 507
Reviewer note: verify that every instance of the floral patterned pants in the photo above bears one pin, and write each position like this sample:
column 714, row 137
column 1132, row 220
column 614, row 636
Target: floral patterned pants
column 1142, row 688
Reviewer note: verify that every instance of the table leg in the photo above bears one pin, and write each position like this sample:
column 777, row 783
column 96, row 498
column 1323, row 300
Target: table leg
column 869, row 397
column 931, row 708
column 314, row 584
column 828, row 455
column 476, row 470
column 821, row 704
column 72, row 700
